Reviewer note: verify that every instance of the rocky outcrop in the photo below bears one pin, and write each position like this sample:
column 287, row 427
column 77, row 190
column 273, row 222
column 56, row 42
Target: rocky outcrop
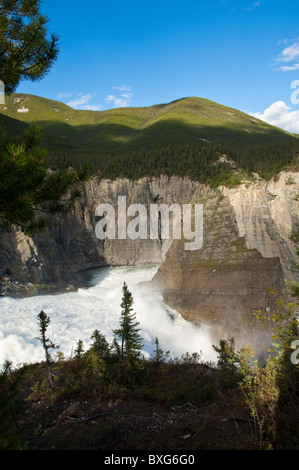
column 69, row 245
column 266, row 215
column 246, row 247
column 247, row 253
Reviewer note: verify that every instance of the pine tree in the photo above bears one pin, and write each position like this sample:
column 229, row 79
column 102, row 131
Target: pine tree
column 79, row 351
column 43, row 323
column 28, row 190
column 26, row 51
column 100, row 345
column 129, row 349
column 159, row 355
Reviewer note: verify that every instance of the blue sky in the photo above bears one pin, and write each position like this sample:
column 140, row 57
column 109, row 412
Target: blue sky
column 240, row 53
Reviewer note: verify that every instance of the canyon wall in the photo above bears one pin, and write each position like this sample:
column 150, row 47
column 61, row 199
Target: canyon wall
column 246, row 247
column 70, row 243
column 247, row 254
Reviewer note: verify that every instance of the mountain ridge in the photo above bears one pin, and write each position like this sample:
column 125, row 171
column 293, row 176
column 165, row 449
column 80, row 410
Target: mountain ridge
column 104, row 137
column 210, row 110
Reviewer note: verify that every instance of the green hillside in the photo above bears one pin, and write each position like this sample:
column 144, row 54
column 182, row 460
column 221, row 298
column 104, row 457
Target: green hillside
column 184, row 137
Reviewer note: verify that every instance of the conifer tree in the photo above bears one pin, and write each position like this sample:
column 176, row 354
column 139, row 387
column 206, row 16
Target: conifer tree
column 43, row 323
column 100, row 344
column 26, row 51
column 159, row 355
column 28, row 189
column 79, row 351
column 128, row 332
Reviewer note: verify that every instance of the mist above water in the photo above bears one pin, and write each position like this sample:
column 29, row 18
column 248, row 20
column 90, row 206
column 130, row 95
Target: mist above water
column 76, row 315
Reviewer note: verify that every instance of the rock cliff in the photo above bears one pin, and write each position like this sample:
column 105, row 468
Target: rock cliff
column 246, row 252
column 246, row 247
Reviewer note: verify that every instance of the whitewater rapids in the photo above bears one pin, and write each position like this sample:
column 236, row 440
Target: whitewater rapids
column 75, row 315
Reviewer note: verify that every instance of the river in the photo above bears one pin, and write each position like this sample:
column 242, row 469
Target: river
column 96, row 305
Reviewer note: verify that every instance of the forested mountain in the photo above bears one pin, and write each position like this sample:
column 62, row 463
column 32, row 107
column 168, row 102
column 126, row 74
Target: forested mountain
column 185, row 138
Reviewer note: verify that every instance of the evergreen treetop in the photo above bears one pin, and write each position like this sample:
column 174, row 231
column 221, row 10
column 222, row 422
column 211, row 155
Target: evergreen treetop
column 26, row 51
column 28, row 189
column 128, row 331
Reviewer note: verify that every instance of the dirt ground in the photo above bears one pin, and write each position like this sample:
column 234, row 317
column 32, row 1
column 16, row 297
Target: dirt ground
column 132, row 424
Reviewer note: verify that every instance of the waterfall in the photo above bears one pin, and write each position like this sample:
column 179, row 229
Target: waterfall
column 75, row 315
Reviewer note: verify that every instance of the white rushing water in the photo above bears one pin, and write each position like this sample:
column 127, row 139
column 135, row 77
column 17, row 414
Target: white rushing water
column 76, row 315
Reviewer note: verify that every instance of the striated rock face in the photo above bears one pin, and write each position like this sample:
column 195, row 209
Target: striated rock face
column 246, row 248
column 70, row 243
column 266, row 215
column 223, row 283
column 246, row 251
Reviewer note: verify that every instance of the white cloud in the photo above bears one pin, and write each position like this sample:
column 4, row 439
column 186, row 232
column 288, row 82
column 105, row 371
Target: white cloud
column 110, row 98
column 288, row 56
column 65, row 95
column 255, row 5
column 290, row 53
column 118, row 102
column 81, row 101
column 122, row 88
column 120, row 98
column 123, row 100
column 280, row 115
column 248, row 9
column 289, row 68
column 127, row 95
